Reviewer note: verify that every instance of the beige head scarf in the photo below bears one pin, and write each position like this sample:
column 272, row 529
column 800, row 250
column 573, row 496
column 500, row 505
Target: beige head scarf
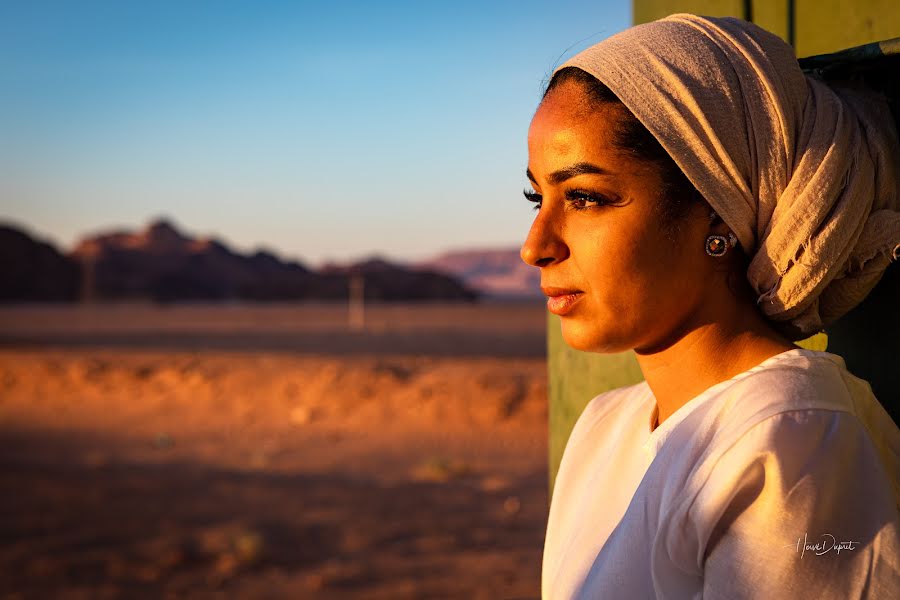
column 805, row 175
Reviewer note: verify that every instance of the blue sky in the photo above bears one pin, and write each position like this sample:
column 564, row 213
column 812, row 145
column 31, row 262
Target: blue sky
column 322, row 131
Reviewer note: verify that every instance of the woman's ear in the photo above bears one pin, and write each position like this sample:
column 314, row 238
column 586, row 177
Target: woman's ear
column 716, row 225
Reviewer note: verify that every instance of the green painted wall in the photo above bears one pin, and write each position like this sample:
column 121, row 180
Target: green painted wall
column 821, row 26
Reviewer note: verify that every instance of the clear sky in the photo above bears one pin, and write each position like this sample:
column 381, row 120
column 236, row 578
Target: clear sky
column 320, row 130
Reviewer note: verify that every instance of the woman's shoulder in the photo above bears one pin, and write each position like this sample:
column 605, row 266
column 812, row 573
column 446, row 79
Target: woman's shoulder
column 800, row 405
column 801, row 409
column 609, row 401
column 797, row 380
column 611, row 411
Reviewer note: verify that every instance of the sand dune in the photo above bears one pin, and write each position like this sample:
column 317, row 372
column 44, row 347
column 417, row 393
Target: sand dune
column 144, row 472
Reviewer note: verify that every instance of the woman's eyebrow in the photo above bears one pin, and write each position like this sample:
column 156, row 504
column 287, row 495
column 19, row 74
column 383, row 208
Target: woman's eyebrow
column 577, row 169
column 581, row 168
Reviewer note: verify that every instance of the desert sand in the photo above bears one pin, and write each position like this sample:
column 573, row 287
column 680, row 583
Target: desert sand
column 272, row 452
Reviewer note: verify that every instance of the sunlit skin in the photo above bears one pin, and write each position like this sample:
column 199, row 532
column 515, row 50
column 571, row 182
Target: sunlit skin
column 617, row 276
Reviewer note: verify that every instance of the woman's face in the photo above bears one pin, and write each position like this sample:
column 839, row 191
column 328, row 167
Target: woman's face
column 616, row 276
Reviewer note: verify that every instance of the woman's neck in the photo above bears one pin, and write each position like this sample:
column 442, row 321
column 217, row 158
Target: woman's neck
column 708, row 354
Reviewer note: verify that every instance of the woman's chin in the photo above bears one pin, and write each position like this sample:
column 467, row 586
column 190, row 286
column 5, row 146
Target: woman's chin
column 591, row 339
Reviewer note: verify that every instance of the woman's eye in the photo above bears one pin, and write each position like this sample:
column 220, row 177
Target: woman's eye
column 581, row 200
column 533, row 196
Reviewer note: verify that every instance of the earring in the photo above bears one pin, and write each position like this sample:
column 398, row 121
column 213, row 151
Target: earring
column 717, row 245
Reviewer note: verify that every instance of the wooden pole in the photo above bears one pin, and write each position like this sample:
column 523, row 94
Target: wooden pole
column 87, row 279
column 357, row 307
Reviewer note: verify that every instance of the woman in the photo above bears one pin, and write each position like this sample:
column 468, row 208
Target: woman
column 702, row 202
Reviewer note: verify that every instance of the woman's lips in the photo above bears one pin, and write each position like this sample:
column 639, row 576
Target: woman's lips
column 560, row 300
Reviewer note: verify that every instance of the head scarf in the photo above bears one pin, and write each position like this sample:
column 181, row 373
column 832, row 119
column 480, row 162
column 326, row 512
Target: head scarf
column 803, row 173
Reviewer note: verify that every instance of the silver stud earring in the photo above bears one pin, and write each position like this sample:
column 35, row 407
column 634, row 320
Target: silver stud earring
column 717, row 245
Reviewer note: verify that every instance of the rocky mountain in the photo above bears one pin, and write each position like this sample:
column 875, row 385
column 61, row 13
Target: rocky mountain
column 383, row 280
column 162, row 263
column 35, row 271
column 498, row 273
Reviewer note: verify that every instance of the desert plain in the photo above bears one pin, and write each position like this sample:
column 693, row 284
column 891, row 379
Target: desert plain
column 272, row 451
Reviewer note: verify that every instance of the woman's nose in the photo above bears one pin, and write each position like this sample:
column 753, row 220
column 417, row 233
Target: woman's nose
column 543, row 246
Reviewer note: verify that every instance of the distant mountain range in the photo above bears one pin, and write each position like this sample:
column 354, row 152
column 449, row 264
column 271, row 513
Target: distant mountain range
column 34, row 270
column 498, row 273
column 162, row 263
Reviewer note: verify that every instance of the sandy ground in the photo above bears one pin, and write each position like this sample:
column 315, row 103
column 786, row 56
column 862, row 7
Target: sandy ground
column 153, row 470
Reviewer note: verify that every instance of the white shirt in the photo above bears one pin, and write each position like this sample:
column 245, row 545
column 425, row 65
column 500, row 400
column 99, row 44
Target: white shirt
column 729, row 496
